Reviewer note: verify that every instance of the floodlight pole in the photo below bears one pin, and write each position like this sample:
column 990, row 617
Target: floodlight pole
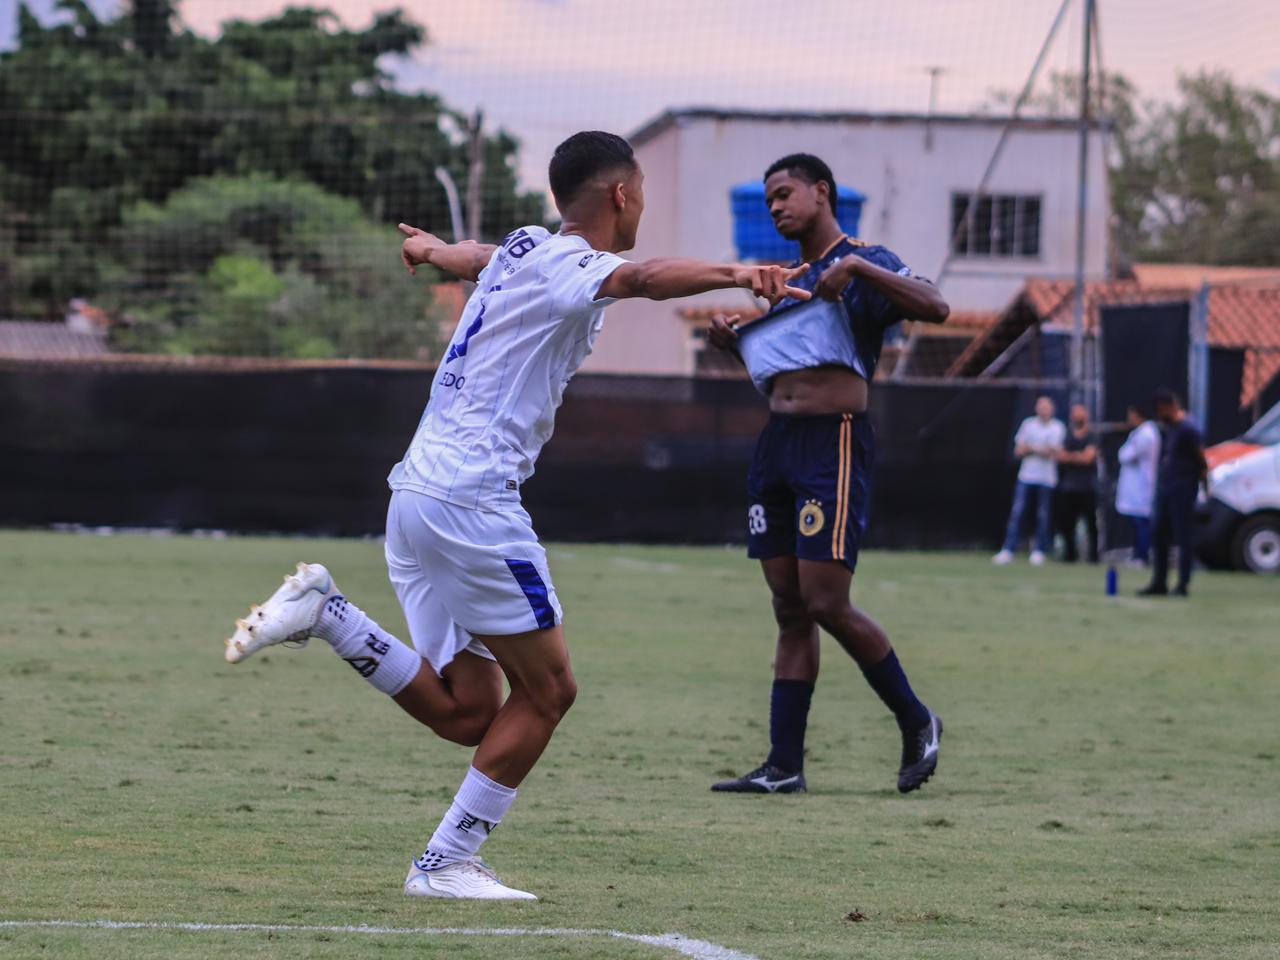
column 455, row 208
column 1080, row 392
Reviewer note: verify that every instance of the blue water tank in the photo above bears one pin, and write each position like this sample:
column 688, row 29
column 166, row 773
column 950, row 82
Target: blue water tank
column 753, row 232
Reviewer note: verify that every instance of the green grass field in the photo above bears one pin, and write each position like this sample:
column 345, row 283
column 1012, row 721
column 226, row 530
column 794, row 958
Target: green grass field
column 1108, row 784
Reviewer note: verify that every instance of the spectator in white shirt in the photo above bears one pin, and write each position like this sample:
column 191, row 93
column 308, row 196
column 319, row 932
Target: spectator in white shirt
column 1037, row 443
column 1136, row 488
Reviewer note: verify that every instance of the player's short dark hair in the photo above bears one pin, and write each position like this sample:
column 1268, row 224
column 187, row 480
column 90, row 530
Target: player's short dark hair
column 1164, row 397
column 586, row 155
column 810, row 169
column 1141, row 409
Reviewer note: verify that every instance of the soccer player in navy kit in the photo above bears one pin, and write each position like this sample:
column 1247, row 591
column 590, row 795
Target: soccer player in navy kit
column 809, row 483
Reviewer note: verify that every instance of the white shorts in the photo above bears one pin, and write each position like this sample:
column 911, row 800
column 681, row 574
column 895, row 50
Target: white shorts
column 461, row 572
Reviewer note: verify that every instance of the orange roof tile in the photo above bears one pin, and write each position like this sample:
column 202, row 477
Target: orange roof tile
column 970, row 320
column 1242, row 315
column 1192, row 275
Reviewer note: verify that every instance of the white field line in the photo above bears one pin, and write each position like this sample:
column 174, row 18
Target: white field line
column 697, row 949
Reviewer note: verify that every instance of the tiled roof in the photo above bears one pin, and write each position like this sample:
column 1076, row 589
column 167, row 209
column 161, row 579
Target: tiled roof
column 34, row 338
column 1240, row 316
column 1243, row 316
column 970, row 321
column 1191, row 275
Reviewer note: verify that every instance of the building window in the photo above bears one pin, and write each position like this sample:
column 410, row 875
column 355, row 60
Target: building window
column 1004, row 225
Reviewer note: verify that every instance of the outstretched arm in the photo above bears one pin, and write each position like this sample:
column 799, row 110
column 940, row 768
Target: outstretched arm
column 667, row 277
column 915, row 297
column 464, row 260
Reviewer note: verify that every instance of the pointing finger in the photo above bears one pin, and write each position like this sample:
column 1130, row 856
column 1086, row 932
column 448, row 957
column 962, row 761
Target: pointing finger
column 409, row 231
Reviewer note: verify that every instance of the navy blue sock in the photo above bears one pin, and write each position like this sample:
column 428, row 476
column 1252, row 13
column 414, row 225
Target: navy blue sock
column 788, row 716
column 888, row 680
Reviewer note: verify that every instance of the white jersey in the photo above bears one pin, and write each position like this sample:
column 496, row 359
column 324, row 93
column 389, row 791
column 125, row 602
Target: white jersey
column 528, row 326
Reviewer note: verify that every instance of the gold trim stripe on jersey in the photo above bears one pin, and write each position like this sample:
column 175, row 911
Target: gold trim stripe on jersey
column 843, row 479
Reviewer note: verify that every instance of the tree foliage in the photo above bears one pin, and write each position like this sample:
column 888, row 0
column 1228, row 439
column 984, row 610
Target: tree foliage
column 1193, row 180
column 266, row 267
column 104, row 121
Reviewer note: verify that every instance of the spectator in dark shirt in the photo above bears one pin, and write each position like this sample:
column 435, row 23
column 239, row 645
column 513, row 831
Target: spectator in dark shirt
column 1181, row 472
column 1077, row 494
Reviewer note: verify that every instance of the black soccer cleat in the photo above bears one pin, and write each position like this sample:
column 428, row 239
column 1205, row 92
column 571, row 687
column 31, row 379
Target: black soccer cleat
column 765, row 778
column 919, row 754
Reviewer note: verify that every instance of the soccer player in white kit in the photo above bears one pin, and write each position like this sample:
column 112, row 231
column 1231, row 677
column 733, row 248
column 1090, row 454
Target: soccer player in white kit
column 461, row 551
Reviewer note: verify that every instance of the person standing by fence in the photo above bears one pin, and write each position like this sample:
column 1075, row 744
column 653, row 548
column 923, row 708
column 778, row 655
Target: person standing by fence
column 1182, row 470
column 1037, row 444
column 1136, row 488
column 1077, row 494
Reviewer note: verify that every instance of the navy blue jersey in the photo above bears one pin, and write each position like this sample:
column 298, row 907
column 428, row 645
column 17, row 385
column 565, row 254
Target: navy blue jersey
column 870, row 312
column 1181, row 454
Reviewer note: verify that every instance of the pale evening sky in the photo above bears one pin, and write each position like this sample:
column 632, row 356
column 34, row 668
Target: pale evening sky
column 544, row 68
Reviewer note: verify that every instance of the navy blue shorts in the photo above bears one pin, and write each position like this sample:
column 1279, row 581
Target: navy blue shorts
column 809, row 487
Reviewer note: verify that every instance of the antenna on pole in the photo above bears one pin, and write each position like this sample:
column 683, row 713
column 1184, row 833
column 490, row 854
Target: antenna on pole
column 1080, row 392
column 935, row 75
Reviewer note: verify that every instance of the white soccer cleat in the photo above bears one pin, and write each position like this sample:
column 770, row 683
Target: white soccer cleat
column 289, row 614
column 1037, row 558
column 1003, row 558
column 463, row 880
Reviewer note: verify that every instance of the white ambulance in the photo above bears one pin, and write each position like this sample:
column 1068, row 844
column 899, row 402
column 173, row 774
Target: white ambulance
column 1239, row 522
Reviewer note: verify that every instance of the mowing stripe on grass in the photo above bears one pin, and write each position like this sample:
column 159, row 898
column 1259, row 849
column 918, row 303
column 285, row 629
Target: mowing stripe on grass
column 698, row 949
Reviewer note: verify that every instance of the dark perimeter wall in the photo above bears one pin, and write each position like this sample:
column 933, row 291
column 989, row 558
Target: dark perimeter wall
column 308, row 449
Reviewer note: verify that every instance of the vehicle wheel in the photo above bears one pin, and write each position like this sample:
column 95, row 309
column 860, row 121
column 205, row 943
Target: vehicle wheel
column 1256, row 545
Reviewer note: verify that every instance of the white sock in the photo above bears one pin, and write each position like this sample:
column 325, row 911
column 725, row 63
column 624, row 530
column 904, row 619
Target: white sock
column 478, row 807
column 375, row 654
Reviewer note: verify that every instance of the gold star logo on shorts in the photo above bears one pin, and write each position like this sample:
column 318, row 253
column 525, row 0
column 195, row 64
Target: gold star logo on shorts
column 812, row 519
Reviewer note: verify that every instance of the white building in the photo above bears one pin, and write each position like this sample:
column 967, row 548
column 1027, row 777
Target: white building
column 916, row 172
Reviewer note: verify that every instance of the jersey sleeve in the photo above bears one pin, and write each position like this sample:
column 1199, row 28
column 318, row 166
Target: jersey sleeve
column 574, row 278
column 487, row 275
column 869, row 301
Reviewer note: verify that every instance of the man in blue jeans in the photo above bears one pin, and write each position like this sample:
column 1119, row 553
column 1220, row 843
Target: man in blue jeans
column 1181, row 472
column 1037, row 444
